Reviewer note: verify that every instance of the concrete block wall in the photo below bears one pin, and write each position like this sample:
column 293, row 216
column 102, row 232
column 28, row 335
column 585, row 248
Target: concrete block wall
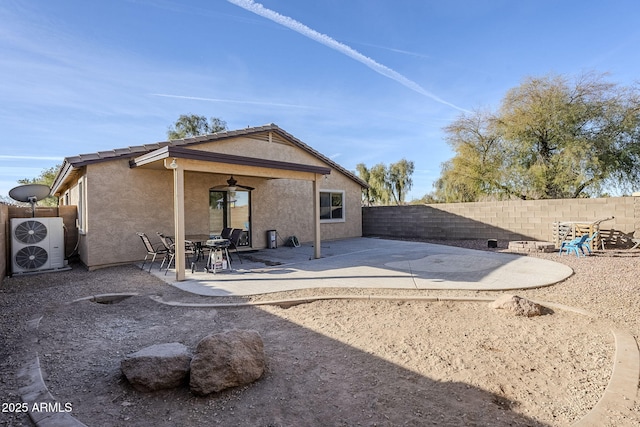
column 503, row 220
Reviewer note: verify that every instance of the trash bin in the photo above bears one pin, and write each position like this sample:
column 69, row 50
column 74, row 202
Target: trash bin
column 272, row 243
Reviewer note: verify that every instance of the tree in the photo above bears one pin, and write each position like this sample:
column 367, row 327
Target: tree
column 46, row 177
column 551, row 138
column 364, row 174
column 189, row 125
column 399, row 179
column 376, row 177
column 477, row 166
column 385, row 182
column 378, row 182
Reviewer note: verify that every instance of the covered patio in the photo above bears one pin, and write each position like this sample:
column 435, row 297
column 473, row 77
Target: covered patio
column 255, row 180
column 180, row 160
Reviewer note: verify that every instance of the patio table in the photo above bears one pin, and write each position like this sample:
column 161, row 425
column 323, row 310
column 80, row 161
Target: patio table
column 216, row 246
column 198, row 241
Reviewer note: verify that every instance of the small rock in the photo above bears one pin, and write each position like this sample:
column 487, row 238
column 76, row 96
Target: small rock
column 225, row 360
column 157, row 367
column 518, row 306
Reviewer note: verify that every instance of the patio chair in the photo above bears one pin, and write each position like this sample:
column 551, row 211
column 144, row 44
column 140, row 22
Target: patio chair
column 167, row 242
column 226, row 232
column 189, row 251
column 234, row 240
column 152, row 251
column 587, row 243
column 575, row 245
column 635, row 240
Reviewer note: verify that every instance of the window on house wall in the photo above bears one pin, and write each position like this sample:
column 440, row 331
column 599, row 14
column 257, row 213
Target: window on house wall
column 331, row 206
column 82, row 206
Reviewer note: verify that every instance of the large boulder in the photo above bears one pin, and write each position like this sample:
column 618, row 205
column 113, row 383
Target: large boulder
column 225, row 360
column 157, row 367
column 518, row 306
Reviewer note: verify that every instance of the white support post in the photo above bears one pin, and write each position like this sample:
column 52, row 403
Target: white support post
column 317, row 240
column 178, row 212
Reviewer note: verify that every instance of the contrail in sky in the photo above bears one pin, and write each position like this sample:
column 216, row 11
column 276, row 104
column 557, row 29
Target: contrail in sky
column 299, row 27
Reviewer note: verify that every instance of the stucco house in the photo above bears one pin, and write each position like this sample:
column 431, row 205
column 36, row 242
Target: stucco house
column 257, row 179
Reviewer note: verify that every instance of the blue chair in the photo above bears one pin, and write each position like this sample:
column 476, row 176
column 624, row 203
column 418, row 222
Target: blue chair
column 587, row 243
column 575, row 245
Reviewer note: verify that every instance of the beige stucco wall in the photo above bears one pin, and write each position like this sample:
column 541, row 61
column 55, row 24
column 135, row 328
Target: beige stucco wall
column 278, row 150
column 291, row 212
column 121, row 201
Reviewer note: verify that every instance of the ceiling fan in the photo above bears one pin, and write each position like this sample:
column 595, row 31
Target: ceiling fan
column 232, row 185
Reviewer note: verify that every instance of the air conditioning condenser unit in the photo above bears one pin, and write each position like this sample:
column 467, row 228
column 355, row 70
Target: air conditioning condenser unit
column 37, row 244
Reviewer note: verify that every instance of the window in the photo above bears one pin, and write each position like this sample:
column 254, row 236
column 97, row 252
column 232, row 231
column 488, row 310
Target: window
column 82, row 206
column 332, row 206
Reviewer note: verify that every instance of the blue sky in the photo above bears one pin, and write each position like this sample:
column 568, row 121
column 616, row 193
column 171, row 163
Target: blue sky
column 362, row 81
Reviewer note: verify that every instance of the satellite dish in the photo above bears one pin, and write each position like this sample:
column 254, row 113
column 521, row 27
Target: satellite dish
column 30, row 193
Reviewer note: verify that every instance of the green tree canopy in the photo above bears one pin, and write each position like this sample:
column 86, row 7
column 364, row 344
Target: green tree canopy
column 551, row 138
column 46, row 177
column 400, row 179
column 386, row 183
column 189, row 125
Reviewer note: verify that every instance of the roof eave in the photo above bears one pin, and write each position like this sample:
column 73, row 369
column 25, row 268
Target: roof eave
column 61, row 177
column 206, row 156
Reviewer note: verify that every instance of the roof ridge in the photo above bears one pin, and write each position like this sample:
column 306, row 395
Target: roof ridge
column 136, row 150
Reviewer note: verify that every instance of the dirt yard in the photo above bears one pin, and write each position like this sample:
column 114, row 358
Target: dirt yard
column 329, row 363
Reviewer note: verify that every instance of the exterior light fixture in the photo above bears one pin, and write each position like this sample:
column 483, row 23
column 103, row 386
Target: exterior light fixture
column 232, row 185
column 173, row 164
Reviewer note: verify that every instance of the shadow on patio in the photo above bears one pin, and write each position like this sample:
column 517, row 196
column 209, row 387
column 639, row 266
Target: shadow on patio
column 372, row 263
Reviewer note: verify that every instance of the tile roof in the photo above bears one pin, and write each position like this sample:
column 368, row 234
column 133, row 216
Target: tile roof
column 128, row 152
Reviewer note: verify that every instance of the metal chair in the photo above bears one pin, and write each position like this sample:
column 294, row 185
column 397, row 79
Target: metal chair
column 226, row 232
column 234, row 240
column 189, row 251
column 167, row 242
column 152, row 251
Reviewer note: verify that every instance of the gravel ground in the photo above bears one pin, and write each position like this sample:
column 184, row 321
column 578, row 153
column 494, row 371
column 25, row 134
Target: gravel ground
column 321, row 355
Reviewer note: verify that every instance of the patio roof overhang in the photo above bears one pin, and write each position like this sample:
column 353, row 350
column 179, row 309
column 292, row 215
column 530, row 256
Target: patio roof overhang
column 205, row 161
column 180, row 159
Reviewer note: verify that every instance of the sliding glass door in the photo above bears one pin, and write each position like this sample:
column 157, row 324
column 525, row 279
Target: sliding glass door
column 230, row 209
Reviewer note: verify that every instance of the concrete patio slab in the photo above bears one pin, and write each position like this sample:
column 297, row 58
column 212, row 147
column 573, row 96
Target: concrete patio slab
column 372, row 263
